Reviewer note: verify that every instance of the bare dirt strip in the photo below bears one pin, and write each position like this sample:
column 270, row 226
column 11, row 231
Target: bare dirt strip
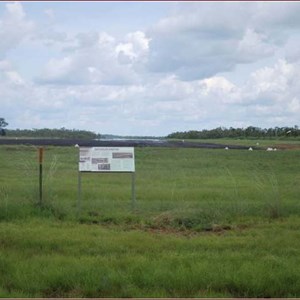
column 288, row 146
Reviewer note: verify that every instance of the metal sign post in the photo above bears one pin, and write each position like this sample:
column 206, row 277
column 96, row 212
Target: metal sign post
column 106, row 160
column 133, row 190
column 41, row 152
column 79, row 194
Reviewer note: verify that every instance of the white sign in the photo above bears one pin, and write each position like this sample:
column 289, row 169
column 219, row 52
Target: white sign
column 106, row 159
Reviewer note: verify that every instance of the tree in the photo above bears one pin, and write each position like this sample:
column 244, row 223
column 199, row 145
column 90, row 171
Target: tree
column 3, row 124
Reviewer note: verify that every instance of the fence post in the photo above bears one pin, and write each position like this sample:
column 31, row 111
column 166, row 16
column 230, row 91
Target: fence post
column 41, row 152
column 133, row 199
column 79, row 195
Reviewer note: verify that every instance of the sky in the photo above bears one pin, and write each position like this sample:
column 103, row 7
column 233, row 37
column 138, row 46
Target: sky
column 149, row 68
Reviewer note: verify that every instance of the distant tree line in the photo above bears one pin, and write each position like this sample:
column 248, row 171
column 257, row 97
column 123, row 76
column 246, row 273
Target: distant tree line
column 61, row 133
column 249, row 132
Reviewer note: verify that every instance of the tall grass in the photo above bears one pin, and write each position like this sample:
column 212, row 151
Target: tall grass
column 208, row 223
column 185, row 188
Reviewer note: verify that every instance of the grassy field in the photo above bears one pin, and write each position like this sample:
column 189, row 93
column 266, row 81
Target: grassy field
column 282, row 143
column 207, row 223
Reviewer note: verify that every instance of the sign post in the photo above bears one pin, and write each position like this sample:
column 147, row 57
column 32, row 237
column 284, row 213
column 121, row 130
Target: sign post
column 133, row 200
column 41, row 152
column 106, row 160
column 79, row 194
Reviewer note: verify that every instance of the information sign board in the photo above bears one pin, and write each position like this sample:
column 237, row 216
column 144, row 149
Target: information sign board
column 106, row 159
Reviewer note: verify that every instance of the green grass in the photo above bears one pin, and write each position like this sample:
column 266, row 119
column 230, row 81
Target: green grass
column 208, row 223
column 250, row 142
column 47, row 259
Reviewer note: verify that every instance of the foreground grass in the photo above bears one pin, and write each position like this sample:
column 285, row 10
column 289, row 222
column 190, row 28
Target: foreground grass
column 53, row 259
column 208, row 223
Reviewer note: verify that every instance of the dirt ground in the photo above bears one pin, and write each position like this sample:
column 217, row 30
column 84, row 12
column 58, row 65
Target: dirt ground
column 288, row 147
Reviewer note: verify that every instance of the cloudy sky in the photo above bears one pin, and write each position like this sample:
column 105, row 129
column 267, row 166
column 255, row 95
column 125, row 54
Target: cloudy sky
column 149, row 68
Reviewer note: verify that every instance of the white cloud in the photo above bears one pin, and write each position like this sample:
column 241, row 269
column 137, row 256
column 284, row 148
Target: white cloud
column 9, row 76
column 49, row 13
column 218, row 85
column 15, row 78
column 276, row 16
column 5, row 65
column 135, row 47
column 277, row 80
column 254, row 46
column 14, row 27
column 95, row 59
column 203, row 39
column 58, row 68
column 294, row 106
column 15, row 11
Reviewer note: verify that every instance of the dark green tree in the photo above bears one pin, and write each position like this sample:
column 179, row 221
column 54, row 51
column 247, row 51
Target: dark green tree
column 3, row 124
